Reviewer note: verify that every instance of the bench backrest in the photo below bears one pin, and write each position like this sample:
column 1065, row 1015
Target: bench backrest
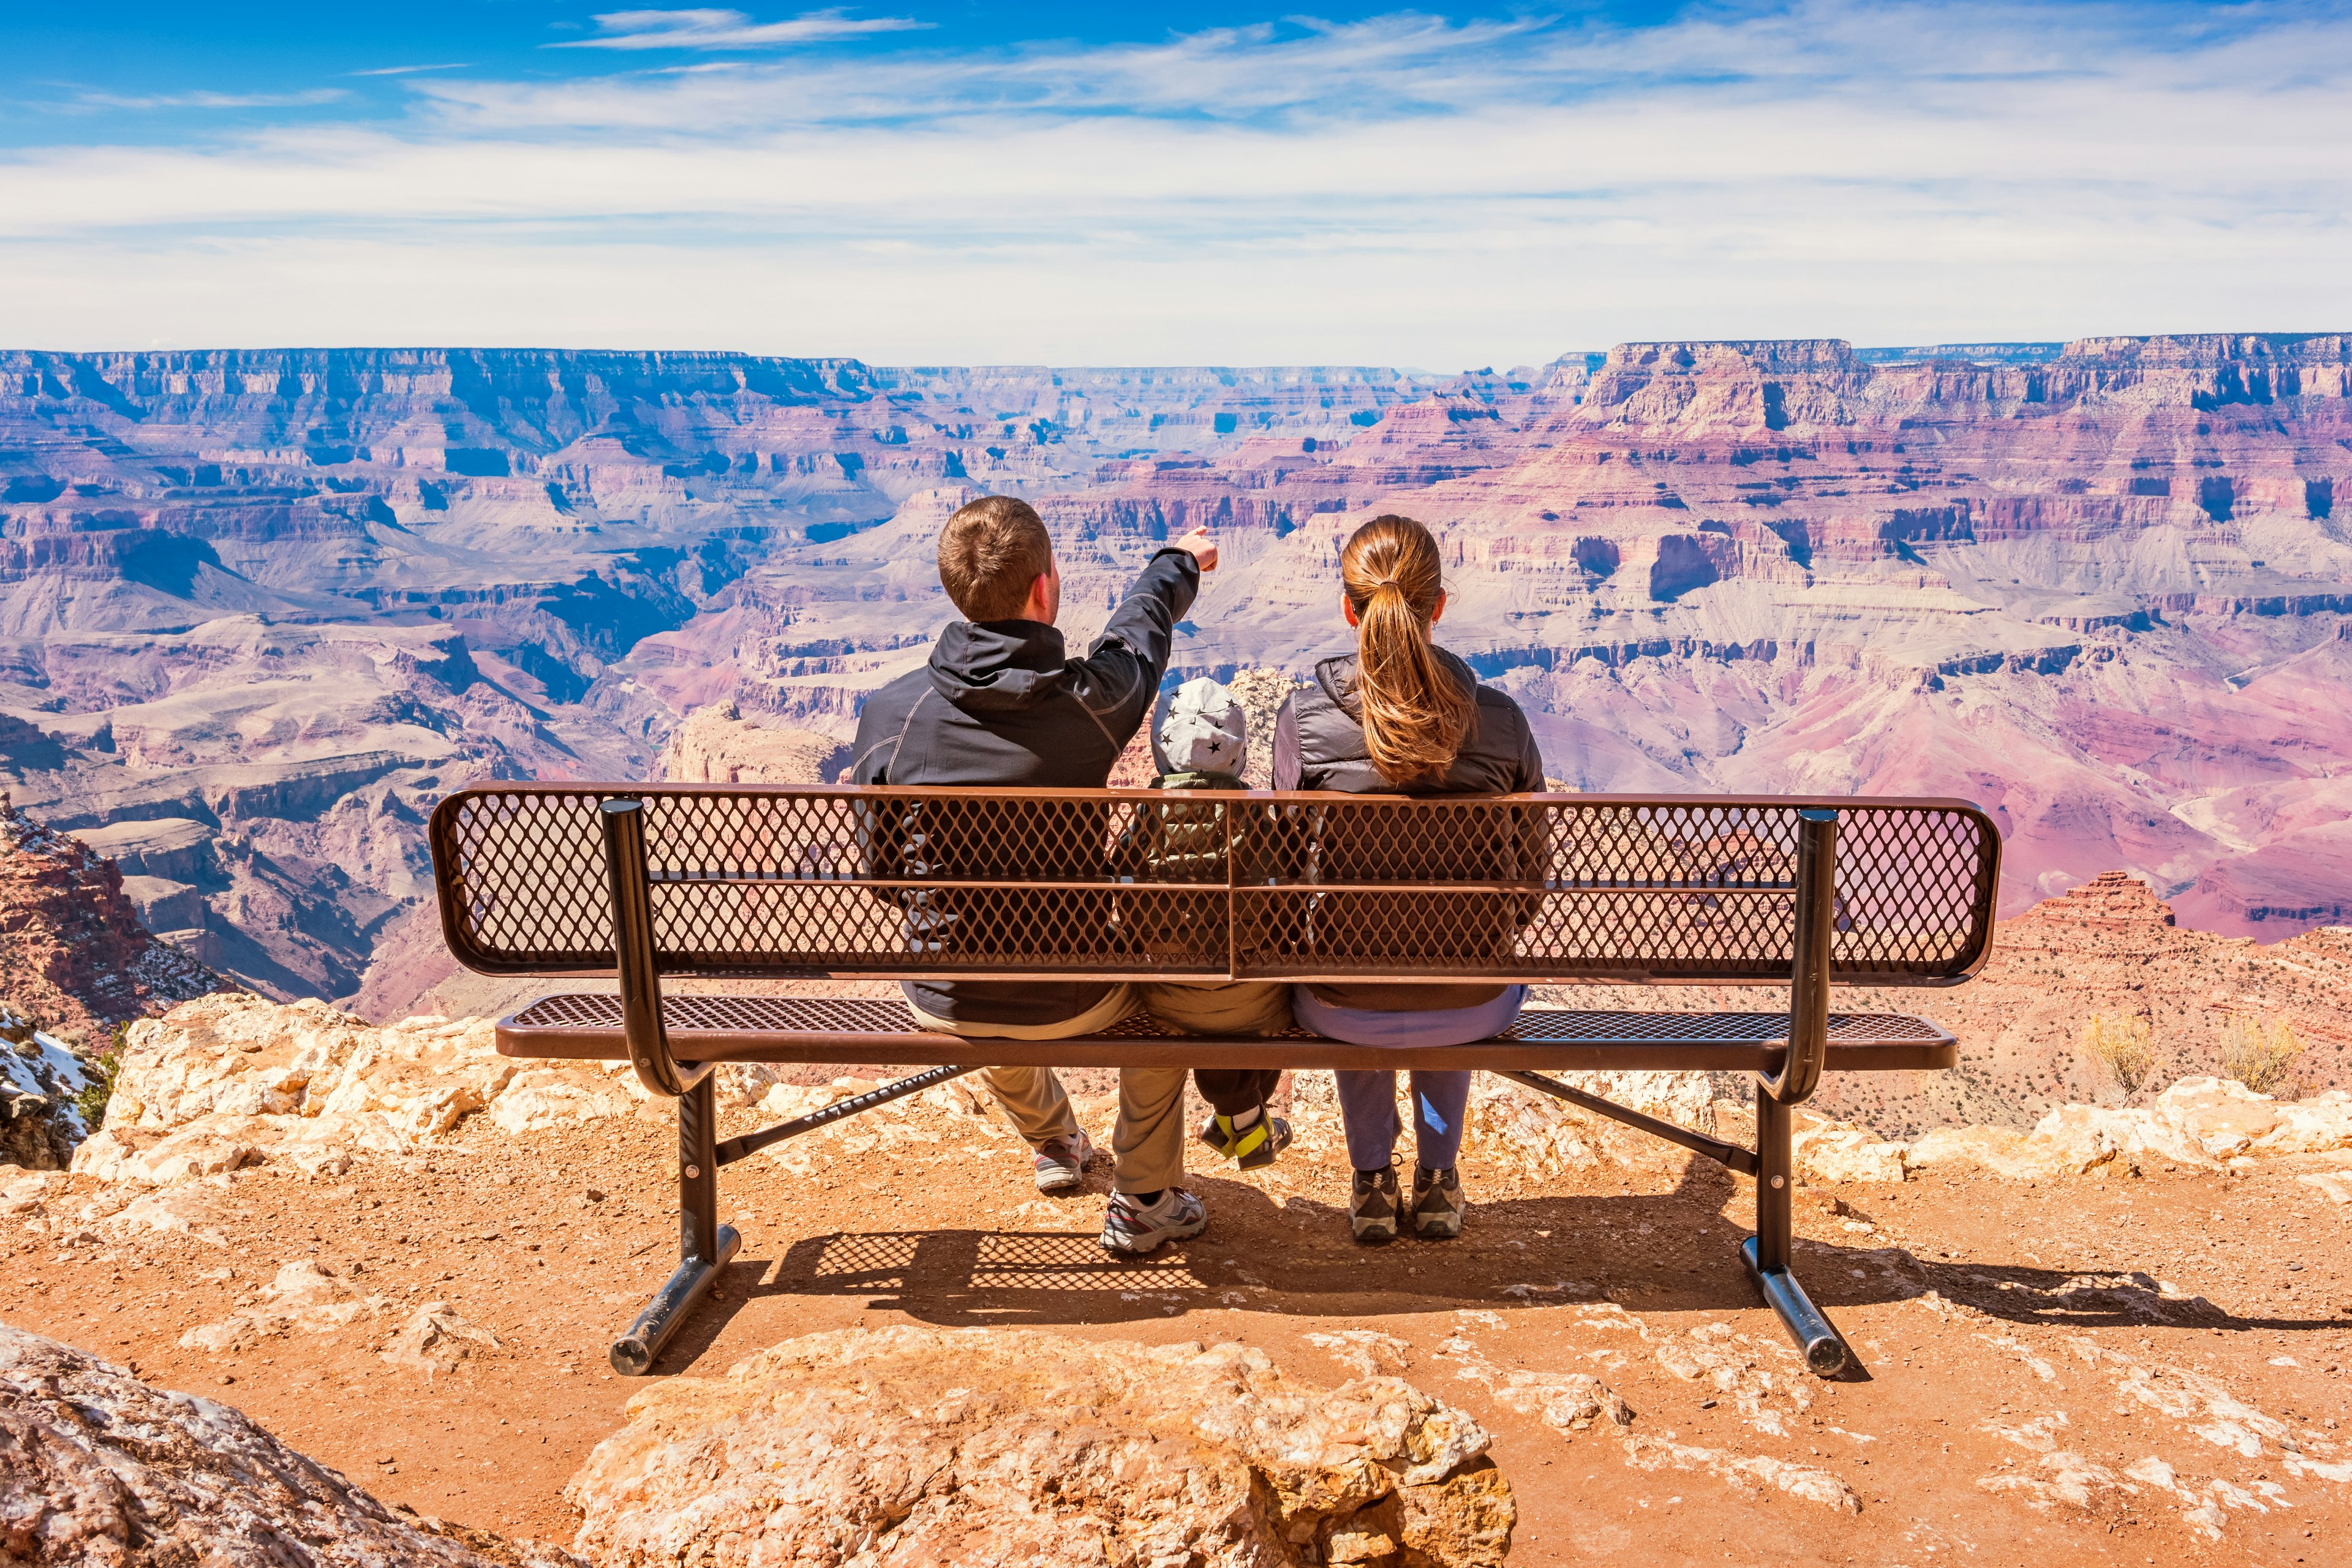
column 790, row 881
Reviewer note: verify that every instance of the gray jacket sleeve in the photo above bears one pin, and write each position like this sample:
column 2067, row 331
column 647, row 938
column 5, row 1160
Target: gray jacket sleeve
column 1288, row 767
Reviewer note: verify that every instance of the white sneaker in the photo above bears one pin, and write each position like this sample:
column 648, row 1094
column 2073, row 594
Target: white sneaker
column 1128, row 1227
column 1062, row 1163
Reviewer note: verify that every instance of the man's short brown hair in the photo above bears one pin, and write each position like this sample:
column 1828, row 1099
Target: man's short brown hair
column 989, row 554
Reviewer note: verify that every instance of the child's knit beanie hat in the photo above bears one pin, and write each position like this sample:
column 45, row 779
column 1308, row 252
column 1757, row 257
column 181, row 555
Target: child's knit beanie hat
column 1202, row 731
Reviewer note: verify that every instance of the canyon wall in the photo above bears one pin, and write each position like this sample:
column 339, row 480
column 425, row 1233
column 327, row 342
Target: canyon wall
column 260, row 609
column 2104, row 593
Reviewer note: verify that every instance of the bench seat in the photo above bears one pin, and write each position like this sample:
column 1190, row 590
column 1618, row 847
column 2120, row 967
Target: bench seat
column 881, row 1032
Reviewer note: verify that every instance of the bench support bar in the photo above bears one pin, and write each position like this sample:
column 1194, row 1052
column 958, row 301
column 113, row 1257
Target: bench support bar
column 705, row 1247
column 1716, row 1149
column 633, row 1352
column 735, row 1149
column 1817, row 1340
column 1768, row 1252
column 637, row 965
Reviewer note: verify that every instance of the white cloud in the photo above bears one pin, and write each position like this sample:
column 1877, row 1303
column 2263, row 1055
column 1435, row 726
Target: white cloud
column 709, row 29
column 411, row 70
column 1401, row 190
column 215, row 99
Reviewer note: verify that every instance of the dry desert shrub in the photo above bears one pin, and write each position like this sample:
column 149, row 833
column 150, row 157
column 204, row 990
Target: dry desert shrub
column 2260, row 1055
column 2125, row 1046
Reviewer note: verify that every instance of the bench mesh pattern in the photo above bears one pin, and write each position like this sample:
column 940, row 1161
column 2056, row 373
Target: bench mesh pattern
column 844, row 883
column 830, row 1015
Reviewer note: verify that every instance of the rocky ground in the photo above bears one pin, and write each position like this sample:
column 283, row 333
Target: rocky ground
column 404, row 1257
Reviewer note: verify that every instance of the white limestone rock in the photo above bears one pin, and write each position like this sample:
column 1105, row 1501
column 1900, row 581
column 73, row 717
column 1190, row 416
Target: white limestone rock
column 304, row 1298
column 230, row 1079
column 435, row 1339
column 914, row 1446
column 100, row 1470
column 1841, row 1151
column 2198, row 1123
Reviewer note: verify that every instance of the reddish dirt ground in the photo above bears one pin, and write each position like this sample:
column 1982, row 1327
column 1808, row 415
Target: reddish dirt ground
column 1950, row 1292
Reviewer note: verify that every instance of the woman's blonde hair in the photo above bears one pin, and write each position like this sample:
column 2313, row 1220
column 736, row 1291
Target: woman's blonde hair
column 1415, row 717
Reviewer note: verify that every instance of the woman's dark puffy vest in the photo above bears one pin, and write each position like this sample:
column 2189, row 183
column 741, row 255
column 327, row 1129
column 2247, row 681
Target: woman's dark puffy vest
column 1322, row 738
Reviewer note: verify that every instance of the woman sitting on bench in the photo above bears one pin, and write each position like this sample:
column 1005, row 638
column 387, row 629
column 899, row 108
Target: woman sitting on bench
column 1401, row 716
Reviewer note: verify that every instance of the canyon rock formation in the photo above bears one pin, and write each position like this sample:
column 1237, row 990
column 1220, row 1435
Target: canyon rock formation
column 74, row 952
column 75, row 963
column 258, row 610
column 719, row 745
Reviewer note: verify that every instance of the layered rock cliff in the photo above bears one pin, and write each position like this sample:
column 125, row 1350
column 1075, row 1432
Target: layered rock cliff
column 73, row 951
column 2103, row 593
column 258, row 610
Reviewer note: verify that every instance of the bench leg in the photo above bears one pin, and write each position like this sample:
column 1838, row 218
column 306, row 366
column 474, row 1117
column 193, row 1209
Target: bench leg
column 1766, row 1253
column 704, row 1244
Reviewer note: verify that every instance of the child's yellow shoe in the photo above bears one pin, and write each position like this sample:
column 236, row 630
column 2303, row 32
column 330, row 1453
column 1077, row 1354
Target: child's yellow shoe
column 1258, row 1144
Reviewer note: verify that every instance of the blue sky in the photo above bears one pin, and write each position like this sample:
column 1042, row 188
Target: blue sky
column 1439, row 187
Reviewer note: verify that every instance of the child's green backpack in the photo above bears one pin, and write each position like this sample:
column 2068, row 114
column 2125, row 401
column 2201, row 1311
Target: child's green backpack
column 1179, row 843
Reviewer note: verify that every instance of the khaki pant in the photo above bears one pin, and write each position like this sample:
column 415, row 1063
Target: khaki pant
column 1219, row 1007
column 1224, row 1008
column 1147, row 1144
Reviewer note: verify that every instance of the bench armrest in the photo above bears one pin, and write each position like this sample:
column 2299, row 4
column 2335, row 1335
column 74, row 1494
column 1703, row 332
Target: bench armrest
column 623, row 822
column 1809, row 981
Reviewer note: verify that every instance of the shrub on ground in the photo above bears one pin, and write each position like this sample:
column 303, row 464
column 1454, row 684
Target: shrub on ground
column 2125, row 1046
column 2261, row 1056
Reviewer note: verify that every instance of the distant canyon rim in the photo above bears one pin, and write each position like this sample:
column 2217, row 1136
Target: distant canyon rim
column 260, row 609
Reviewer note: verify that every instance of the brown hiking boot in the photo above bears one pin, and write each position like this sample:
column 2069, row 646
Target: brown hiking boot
column 1436, row 1205
column 1372, row 1215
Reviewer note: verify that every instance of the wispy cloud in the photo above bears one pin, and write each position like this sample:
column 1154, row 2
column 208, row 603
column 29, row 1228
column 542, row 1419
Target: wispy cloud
column 411, row 70
column 1405, row 187
column 1374, row 70
column 710, row 29
column 303, row 100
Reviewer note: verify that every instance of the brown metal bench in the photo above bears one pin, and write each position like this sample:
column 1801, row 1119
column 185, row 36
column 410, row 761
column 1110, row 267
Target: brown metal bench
column 790, row 882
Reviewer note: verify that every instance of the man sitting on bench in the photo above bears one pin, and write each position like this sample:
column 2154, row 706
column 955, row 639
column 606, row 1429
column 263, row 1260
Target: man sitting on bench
column 1002, row 702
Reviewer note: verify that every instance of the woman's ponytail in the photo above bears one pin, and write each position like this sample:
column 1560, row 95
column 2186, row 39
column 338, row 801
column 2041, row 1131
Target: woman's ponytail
column 1415, row 717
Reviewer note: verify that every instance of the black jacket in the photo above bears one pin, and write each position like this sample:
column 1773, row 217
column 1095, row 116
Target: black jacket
column 1002, row 702
column 1318, row 745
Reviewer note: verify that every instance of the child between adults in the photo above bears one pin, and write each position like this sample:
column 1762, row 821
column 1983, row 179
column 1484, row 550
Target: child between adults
column 1202, row 741
column 1401, row 716
column 1000, row 701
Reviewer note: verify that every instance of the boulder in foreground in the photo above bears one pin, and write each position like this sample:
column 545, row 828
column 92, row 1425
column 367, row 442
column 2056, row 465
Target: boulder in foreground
column 230, row 1079
column 100, row 1470
column 911, row 1446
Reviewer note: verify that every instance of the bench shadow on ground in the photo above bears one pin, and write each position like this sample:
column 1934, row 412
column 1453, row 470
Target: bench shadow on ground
column 1294, row 1257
